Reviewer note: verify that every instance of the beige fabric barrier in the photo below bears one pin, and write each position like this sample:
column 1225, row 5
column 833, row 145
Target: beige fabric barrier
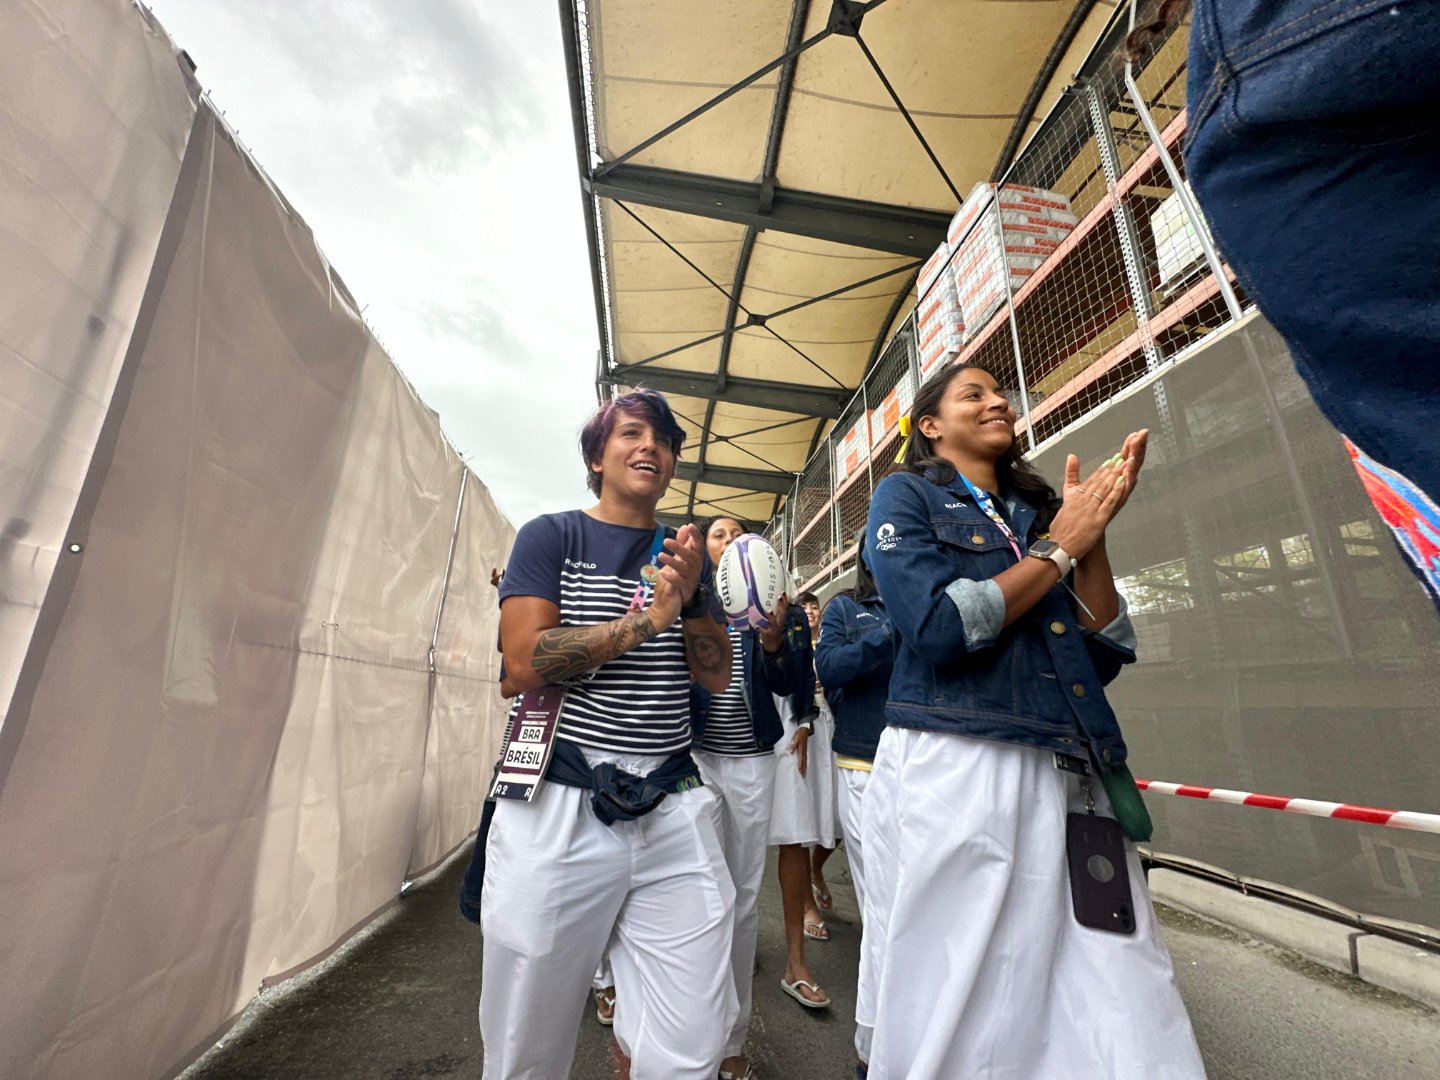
column 95, row 114
column 227, row 745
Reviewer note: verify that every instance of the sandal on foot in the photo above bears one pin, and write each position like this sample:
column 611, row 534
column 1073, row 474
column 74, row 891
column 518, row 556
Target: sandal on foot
column 823, row 900
column 748, row 1074
column 605, row 1006
column 817, row 931
column 793, row 989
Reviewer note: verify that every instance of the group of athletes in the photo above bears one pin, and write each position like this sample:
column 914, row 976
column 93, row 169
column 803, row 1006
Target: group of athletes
column 977, row 772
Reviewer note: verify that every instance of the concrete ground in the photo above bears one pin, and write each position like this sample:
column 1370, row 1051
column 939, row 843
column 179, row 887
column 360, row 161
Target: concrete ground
column 399, row 1003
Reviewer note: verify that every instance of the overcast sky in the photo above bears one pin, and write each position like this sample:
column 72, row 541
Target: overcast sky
column 429, row 146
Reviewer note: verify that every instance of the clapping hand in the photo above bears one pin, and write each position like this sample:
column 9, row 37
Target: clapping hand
column 1090, row 506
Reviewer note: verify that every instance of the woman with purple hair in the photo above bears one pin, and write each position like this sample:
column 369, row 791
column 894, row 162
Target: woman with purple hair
column 617, row 853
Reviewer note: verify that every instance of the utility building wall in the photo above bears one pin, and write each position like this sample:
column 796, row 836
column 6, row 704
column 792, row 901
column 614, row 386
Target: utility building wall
column 1284, row 646
column 247, row 630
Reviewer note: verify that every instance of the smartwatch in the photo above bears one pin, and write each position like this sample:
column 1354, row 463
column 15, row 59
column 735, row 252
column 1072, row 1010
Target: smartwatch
column 1052, row 552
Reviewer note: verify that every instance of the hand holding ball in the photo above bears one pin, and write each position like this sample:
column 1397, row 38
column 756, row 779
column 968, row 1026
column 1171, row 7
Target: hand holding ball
column 750, row 581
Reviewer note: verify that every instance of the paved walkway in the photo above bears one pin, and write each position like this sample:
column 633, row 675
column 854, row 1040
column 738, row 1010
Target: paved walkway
column 400, row 1004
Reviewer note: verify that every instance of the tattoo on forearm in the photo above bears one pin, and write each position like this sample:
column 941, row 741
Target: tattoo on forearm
column 706, row 652
column 566, row 651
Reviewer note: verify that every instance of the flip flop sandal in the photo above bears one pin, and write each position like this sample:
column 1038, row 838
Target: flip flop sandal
column 748, row 1074
column 823, row 899
column 605, row 1000
column 793, row 989
column 817, row 931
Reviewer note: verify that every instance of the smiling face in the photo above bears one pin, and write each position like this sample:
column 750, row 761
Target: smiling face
column 719, row 536
column 973, row 420
column 636, row 463
column 812, row 613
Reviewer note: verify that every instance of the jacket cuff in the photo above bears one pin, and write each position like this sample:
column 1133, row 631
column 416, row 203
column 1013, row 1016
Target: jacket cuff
column 1119, row 633
column 982, row 610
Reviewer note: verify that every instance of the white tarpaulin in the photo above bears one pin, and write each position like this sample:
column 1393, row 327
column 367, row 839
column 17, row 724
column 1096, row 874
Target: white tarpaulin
column 228, row 744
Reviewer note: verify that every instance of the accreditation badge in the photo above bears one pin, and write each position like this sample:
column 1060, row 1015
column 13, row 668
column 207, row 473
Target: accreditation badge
column 532, row 738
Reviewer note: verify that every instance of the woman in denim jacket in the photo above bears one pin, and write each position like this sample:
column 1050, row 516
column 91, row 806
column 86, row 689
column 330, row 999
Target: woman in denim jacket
column 1009, row 626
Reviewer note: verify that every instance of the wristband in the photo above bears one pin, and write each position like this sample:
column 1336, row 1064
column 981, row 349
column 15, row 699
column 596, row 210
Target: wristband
column 698, row 605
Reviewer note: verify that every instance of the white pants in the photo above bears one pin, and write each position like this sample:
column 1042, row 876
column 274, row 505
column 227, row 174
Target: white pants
column 978, row 966
column 746, row 788
column 560, row 888
column 851, row 789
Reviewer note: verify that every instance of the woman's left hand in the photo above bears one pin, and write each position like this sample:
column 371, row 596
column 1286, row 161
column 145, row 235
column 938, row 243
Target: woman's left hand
column 799, row 745
column 681, row 561
column 773, row 636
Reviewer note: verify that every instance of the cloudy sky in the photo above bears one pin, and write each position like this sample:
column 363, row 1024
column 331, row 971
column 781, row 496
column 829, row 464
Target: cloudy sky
column 428, row 144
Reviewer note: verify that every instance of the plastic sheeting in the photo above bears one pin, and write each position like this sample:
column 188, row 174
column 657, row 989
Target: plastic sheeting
column 227, row 745
column 1284, row 646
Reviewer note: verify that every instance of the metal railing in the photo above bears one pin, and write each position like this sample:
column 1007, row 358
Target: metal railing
column 1129, row 288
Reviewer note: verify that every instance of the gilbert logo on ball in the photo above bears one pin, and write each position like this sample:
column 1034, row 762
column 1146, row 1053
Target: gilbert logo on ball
column 749, row 581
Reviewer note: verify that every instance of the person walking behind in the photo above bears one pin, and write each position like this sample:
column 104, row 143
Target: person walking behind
column 619, row 846
column 853, row 659
column 821, row 782
column 793, row 823
column 735, row 734
column 1001, row 770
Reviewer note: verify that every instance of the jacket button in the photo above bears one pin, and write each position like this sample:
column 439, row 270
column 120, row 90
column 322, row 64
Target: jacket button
column 976, row 538
column 1057, row 626
column 1106, row 755
column 1079, row 689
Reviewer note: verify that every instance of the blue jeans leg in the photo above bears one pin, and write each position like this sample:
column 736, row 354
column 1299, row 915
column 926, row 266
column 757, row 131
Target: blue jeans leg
column 1314, row 149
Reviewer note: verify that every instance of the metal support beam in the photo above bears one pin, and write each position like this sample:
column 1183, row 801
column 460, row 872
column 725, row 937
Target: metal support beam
column 570, row 36
column 761, row 393
column 901, row 230
column 767, row 480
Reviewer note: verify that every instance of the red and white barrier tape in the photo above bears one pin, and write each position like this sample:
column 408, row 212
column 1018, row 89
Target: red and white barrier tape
column 1396, row 819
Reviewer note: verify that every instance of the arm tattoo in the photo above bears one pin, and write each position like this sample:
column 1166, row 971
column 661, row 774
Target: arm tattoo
column 566, row 651
column 705, row 650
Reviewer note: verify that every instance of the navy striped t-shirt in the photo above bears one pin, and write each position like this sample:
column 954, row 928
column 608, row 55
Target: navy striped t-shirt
column 640, row 701
column 728, row 727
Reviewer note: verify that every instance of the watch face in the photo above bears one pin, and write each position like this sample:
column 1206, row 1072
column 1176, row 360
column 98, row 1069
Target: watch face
column 1043, row 549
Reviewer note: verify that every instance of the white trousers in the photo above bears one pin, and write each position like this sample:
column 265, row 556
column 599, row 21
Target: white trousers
column 561, row 889
column 851, row 789
column 746, row 789
column 978, row 965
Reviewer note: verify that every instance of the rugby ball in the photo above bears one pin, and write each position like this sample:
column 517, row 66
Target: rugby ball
column 749, row 582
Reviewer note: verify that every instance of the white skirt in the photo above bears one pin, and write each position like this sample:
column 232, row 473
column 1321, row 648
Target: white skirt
column 977, row 965
column 805, row 809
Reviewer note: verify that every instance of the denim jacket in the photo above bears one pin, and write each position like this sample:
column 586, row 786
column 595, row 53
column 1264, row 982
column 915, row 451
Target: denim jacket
column 790, row 671
column 1038, row 681
column 854, row 658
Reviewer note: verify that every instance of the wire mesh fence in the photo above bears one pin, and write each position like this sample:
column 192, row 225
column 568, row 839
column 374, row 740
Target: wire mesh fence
column 1081, row 272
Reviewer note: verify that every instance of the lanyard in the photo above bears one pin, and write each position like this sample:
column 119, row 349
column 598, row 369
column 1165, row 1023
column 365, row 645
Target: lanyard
column 987, row 504
column 649, row 572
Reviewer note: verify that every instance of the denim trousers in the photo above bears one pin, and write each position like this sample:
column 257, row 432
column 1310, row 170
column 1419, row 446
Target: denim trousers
column 1314, row 149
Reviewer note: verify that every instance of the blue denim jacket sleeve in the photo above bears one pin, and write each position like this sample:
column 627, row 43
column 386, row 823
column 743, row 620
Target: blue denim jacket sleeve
column 838, row 660
column 914, row 572
column 1113, row 647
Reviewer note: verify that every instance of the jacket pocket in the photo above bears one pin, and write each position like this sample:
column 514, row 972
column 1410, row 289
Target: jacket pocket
column 977, row 535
